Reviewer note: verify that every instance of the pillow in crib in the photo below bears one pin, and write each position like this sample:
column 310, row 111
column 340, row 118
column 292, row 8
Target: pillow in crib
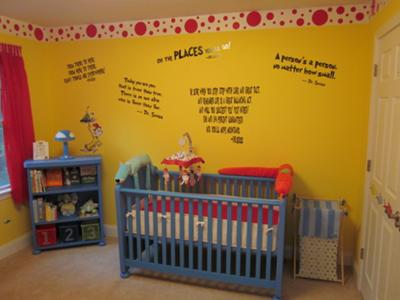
column 250, row 171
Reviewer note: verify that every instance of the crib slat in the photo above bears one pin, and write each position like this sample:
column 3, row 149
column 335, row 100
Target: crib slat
column 200, row 237
column 146, row 228
column 209, row 233
column 259, row 240
column 252, row 191
column 130, row 230
column 138, row 229
column 249, row 238
column 269, row 242
column 239, row 237
column 191, row 233
column 229, row 239
column 169, row 184
column 212, row 187
column 176, row 184
column 172, row 213
column 259, row 186
column 236, row 188
column 220, row 186
column 244, row 190
column 267, row 190
column 162, row 184
column 164, row 231
column 181, row 233
column 228, row 187
column 155, row 229
column 219, row 236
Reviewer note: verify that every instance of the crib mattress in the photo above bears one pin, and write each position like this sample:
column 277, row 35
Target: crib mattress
column 203, row 225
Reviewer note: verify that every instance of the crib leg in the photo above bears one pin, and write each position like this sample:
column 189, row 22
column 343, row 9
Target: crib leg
column 276, row 298
column 124, row 273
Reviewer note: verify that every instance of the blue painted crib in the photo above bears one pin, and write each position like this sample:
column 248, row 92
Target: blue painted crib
column 226, row 228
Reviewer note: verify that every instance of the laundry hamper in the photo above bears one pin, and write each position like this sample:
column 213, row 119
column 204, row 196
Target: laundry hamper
column 318, row 239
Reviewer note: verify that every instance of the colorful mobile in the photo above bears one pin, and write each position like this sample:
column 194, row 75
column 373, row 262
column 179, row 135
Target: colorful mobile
column 95, row 131
column 187, row 161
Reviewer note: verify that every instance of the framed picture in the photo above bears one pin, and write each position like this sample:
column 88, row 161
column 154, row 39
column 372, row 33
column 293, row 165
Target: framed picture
column 40, row 150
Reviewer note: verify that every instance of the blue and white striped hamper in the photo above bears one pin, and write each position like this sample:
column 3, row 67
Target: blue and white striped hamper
column 320, row 218
column 319, row 230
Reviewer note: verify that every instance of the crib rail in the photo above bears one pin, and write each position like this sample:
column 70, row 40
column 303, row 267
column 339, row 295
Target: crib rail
column 244, row 186
column 174, row 239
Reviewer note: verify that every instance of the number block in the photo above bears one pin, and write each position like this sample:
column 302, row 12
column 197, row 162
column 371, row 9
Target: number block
column 46, row 235
column 90, row 231
column 68, row 233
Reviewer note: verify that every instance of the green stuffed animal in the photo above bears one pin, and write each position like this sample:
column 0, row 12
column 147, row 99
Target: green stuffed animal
column 131, row 167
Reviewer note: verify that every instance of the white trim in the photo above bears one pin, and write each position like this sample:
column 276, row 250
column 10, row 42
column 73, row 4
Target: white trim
column 5, row 192
column 110, row 230
column 15, row 245
column 381, row 32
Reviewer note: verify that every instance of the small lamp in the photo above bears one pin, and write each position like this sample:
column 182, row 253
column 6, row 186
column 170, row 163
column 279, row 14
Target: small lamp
column 64, row 136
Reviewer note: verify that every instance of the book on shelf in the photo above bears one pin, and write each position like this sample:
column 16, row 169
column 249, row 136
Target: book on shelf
column 54, row 178
column 43, row 210
column 75, row 176
column 88, row 174
column 38, row 181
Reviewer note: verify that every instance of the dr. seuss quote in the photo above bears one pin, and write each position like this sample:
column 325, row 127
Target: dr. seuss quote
column 194, row 51
column 84, row 69
column 143, row 96
column 316, row 70
column 223, row 109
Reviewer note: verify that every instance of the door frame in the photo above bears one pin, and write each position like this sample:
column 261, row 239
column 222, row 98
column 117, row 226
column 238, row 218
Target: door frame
column 389, row 26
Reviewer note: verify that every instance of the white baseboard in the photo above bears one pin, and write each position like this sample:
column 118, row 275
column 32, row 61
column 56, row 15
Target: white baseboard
column 110, row 230
column 15, row 245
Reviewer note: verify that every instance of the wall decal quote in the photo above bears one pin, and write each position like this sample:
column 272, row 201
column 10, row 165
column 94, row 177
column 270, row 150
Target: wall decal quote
column 142, row 95
column 317, row 69
column 223, row 108
column 209, row 52
column 84, row 69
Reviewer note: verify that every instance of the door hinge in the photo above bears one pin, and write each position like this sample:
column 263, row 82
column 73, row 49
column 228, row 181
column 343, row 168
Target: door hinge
column 369, row 165
column 362, row 253
column 375, row 70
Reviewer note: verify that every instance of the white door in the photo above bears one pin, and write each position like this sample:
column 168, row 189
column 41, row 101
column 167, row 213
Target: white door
column 380, row 277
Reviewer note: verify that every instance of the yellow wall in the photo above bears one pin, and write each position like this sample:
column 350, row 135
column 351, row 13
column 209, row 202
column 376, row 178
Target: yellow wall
column 322, row 131
column 385, row 15
column 43, row 107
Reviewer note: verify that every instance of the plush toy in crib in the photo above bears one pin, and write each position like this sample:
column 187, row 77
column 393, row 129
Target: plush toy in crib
column 131, row 167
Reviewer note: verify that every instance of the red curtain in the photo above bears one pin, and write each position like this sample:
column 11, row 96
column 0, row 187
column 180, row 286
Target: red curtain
column 17, row 119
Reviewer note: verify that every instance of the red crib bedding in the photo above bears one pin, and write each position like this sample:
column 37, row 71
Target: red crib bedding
column 275, row 214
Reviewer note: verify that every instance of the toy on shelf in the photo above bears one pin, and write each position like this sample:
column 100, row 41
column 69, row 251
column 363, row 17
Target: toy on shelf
column 67, row 203
column 187, row 161
column 89, row 208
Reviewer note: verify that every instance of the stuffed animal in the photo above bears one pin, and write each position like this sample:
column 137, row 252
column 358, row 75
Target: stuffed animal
column 89, row 208
column 67, row 204
column 131, row 167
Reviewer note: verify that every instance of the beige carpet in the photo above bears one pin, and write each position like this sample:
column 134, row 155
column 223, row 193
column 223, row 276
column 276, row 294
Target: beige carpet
column 93, row 273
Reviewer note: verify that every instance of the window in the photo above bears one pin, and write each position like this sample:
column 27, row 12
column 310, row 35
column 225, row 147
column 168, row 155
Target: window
column 4, row 181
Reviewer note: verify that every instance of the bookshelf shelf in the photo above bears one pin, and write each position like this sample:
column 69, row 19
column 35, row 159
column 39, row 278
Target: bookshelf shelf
column 63, row 219
column 54, row 224
column 68, row 189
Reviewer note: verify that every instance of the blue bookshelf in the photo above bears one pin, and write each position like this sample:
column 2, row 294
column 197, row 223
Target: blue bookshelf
column 53, row 239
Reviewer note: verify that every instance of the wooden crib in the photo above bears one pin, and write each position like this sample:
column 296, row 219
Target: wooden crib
column 225, row 228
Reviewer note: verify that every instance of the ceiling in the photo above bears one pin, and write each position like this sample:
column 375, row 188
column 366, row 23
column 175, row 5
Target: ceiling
column 72, row 12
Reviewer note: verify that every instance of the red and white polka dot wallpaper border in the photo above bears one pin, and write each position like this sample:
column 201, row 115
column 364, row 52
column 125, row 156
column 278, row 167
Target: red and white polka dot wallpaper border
column 298, row 17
